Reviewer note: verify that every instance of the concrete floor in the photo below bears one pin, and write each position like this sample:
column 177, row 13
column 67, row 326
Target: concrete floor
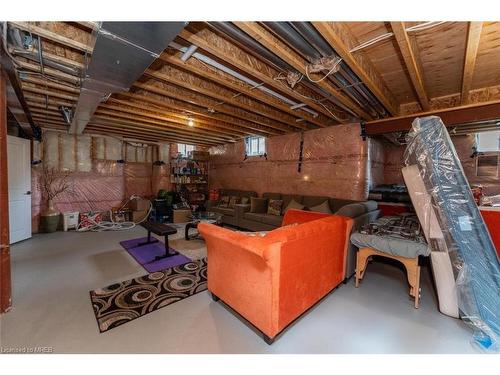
column 53, row 274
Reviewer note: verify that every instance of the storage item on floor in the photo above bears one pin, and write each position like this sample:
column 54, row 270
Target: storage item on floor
column 491, row 216
column 246, row 272
column 138, row 216
column 181, row 216
column 139, row 204
column 395, row 237
column 70, row 220
column 468, row 242
column 444, row 279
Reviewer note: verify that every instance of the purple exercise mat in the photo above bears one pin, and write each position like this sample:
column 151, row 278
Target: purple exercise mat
column 145, row 255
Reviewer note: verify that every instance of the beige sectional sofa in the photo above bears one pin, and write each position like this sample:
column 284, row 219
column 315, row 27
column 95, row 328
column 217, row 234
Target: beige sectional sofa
column 241, row 217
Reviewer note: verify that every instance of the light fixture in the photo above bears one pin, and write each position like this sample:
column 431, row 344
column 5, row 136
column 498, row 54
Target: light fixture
column 190, row 122
column 67, row 114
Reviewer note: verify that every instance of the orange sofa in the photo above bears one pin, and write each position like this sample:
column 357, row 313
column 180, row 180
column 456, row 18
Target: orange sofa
column 272, row 280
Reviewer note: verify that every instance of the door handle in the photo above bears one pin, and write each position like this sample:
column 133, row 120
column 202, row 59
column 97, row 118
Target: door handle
column 27, row 193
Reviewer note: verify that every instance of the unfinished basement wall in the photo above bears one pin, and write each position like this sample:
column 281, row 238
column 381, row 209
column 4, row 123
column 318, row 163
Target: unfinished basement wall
column 394, row 161
column 98, row 182
column 335, row 164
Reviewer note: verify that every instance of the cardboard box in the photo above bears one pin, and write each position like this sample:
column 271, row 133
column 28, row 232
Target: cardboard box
column 139, row 215
column 181, row 216
column 139, row 204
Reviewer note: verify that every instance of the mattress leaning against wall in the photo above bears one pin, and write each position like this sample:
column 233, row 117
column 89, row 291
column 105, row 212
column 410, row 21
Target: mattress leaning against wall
column 474, row 259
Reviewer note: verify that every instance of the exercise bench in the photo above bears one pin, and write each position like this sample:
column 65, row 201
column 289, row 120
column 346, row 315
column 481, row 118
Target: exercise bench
column 160, row 230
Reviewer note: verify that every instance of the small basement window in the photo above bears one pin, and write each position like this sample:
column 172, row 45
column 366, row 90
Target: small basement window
column 255, row 146
column 184, row 149
column 488, row 141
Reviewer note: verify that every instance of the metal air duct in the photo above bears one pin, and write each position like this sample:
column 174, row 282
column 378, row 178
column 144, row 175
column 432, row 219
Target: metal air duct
column 122, row 52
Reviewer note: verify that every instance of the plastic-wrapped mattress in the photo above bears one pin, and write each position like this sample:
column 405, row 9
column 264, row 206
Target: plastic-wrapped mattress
column 473, row 256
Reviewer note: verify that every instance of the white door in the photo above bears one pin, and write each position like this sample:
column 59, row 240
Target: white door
column 19, row 170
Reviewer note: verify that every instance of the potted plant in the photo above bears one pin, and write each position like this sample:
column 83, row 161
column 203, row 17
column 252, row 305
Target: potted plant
column 51, row 184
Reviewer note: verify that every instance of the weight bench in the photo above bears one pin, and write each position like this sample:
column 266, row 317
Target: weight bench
column 160, row 230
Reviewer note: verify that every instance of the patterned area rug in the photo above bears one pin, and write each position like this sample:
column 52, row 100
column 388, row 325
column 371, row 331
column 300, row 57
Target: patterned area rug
column 122, row 302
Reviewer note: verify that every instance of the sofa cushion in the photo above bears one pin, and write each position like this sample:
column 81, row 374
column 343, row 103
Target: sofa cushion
column 336, row 204
column 287, row 198
column 310, row 201
column 224, row 201
column 258, row 205
column 233, row 201
column 370, row 205
column 274, row 207
column 224, row 211
column 272, row 220
column 323, row 208
column 293, row 204
column 254, row 216
column 352, row 210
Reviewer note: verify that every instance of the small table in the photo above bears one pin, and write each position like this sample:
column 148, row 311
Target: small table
column 160, row 230
column 201, row 217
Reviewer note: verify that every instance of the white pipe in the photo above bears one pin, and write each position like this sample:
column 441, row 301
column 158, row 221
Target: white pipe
column 239, row 76
column 186, row 55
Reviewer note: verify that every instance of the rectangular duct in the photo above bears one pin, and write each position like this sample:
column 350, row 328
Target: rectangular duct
column 122, row 52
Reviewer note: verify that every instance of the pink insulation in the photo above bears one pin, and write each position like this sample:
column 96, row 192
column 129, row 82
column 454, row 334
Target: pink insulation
column 100, row 189
column 160, row 178
column 394, row 162
column 335, row 161
column 138, row 179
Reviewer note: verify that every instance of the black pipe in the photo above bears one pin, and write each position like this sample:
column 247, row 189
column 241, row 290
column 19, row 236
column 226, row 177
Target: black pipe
column 288, row 33
column 247, row 42
column 312, row 36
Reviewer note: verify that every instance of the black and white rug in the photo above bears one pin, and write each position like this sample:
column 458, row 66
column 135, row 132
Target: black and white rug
column 122, row 302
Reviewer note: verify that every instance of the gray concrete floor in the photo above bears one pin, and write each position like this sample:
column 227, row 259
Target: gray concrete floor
column 53, row 274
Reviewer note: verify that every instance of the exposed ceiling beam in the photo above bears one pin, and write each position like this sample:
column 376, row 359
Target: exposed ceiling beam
column 222, row 78
column 171, row 121
column 342, row 41
column 473, row 37
column 239, row 59
column 145, row 122
column 229, row 98
column 450, row 117
column 158, row 100
column 180, row 118
column 49, row 72
column 52, row 36
column 273, row 44
column 410, row 60
column 191, row 97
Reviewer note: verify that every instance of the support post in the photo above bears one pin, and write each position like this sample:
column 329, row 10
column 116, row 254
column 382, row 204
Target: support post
column 5, row 281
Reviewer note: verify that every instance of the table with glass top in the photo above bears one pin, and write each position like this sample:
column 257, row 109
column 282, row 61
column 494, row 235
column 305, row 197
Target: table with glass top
column 201, row 217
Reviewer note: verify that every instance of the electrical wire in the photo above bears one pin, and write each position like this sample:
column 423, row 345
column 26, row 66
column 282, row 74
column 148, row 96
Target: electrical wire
column 103, row 226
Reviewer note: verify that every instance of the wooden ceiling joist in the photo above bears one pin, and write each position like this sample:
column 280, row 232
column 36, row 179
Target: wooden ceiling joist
column 49, row 72
column 450, row 117
column 342, row 41
column 218, row 118
column 41, row 82
column 281, row 50
column 410, row 59
column 170, row 121
column 50, row 35
column 218, row 76
column 473, row 37
column 147, row 122
column 123, row 128
column 191, row 97
column 180, row 119
column 38, row 90
column 188, row 81
column 213, row 44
